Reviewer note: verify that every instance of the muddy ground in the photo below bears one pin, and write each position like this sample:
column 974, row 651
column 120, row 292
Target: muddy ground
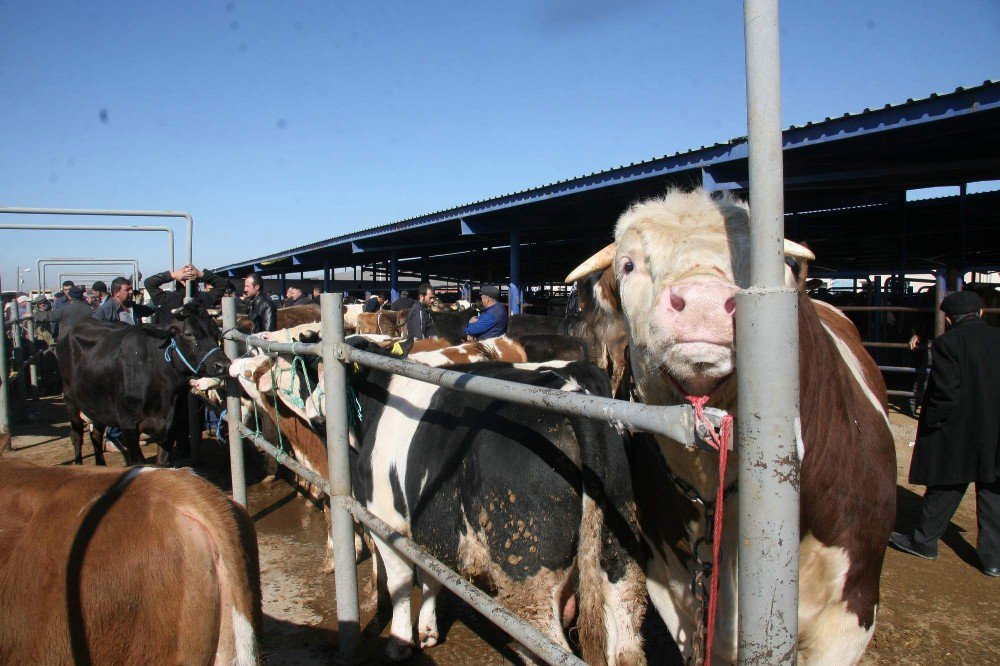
column 937, row 612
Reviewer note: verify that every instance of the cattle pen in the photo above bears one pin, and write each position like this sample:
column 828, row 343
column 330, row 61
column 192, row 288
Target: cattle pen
column 677, row 422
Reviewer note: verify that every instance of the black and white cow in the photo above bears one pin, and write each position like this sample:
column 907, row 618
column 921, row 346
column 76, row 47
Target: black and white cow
column 535, row 507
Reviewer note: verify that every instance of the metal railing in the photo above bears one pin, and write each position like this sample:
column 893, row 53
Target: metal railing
column 676, row 422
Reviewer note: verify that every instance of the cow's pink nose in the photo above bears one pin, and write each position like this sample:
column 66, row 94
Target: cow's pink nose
column 709, row 296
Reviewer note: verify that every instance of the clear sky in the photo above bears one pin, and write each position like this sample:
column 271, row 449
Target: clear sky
column 281, row 123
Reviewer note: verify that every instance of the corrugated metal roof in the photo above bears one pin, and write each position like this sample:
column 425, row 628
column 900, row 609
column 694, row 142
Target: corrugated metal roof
column 794, row 136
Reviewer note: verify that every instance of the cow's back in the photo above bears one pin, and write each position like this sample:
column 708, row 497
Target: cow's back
column 136, row 566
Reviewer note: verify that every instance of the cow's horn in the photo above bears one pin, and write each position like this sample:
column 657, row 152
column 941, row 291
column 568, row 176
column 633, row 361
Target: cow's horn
column 597, row 262
column 796, row 251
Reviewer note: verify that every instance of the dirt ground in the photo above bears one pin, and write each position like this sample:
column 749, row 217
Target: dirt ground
column 944, row 611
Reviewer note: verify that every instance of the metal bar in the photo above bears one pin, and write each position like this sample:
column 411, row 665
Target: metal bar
column 284, row 459
column 521, row 631
column 514, row 297
column 394, row 276
column 767, row 376
column 887, row 345
column 32, row 349
column 881, row 308
column 234, row 411
column 898, row 368
column 940, row 289
column 5, row 435
column 17, row 352
column 326, row 276
column 43, row 265
column 904, row 394
column 338, row 460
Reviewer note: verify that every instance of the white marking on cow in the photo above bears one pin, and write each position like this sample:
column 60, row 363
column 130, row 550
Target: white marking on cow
column 800, row 446
column 244, row 641
column 543, row 365
column 854, row 365
column 829, row 633
column 831, row 308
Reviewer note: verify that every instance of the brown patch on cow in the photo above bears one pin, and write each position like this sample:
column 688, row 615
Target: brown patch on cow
column 162, row 552
column 383, row 322
column 297, row 315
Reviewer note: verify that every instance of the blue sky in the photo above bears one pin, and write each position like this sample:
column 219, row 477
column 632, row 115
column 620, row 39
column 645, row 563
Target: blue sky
column 277, row 124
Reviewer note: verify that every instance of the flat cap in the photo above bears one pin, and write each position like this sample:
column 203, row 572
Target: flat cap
column 100, row 286
column 491, row 291
column 961, row 302
column 76, row 292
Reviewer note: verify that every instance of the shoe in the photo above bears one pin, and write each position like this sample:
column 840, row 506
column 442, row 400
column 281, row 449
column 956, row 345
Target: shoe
column 906, row 544
column 992, row 571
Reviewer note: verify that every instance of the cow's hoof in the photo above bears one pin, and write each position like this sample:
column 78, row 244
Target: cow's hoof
column 428, row 639
column 398, row 649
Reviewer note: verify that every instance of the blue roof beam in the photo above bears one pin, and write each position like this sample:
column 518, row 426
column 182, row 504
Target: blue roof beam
column 713, row 182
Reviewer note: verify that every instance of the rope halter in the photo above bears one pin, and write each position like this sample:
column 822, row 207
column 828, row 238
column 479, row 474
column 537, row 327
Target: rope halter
column 173, row 345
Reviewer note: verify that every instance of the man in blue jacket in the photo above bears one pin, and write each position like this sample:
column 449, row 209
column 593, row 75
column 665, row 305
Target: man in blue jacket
column 493, row 322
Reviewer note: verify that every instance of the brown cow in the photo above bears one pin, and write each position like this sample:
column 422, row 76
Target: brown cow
column 136, row 566
column 677, row 262
column 383, row 322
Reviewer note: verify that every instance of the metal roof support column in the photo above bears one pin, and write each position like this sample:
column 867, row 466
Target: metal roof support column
column 962, row 191
column 394, row 276
column 514, row 298
column 425, row 273
column 767, row 376
column 5, row 436
column 282, row 285
column 326, row 277
column 940, row 289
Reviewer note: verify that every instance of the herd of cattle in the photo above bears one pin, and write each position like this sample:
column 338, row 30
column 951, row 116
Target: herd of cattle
column 568, row 522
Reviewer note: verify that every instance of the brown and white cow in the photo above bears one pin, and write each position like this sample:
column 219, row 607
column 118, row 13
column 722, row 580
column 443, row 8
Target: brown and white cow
column 677, row 263
column 112, row 566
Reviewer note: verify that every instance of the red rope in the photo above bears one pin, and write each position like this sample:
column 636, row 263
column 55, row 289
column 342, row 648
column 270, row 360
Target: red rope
column 721, row 444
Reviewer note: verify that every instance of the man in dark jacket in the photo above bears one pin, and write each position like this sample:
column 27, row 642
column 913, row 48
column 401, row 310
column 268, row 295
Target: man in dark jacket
column 168, row 301
column 75, row 310
column 374, row 303
column 419, row 324
column 493, row 322
column 958, row 436
column 296, row 297
column 402, row 303
column 120, row 305
column 263, row 313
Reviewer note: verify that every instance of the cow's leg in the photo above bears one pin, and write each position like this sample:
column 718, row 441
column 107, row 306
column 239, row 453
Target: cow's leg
column 427, row 626
column 133, row 454
column 76, row 433
column 538, row 599
column 399, row 580
column 97, row 440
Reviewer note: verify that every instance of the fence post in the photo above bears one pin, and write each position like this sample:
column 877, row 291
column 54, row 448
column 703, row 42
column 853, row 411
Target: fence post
column 5, row 439
column 338, row 457
column 32, row 350
column 234, row 414
column 18, row 351
column 940, row 291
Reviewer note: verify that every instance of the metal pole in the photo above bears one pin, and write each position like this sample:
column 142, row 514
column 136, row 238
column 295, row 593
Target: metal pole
column 5, row 438
column 326, row 277
column 32, row 348
column 768, row 376
column 18, row 352
column 234, row 413
column 44, row 264
column 514, row 297
column 940, row 289
column 394, row 276
column 338, row 458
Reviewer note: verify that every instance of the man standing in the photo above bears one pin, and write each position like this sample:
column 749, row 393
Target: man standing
column 75, row 310
column 403, row 302
column 493, row 322
column 958, row 435
column 168, row 301
column 374, row 303
column 419, row 324
column 100, row 294
column 120, row 306
column 263, row 315
column 296, row 297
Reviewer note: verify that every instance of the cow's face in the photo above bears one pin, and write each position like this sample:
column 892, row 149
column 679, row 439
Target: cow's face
column 678, row 262
column 198, row 337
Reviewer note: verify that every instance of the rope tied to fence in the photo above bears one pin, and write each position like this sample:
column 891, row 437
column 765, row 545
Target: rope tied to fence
column 720, row 442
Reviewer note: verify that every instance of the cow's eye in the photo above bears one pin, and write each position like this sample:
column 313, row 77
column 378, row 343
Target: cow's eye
column 627, row 266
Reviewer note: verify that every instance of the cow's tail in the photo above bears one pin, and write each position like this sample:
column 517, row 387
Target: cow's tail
column 233, row 541
column 611, row 588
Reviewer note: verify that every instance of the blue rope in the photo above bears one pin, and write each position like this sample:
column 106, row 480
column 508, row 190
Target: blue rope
column 173, row 345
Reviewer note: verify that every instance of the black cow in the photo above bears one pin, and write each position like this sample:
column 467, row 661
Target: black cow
column 133, row 376
column 533, row 506
column 451, row 325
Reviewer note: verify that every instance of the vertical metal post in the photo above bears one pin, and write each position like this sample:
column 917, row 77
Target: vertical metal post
column 338, row 457
column 4, row 393
column 514, row 298
column 940, row 289
column 18, row 351
column 283, row 285
column 32, row 349
column 326, row 277
column 394, row 276
column 234, row 412
column 962, row 220
column 768, row 376
column 425, row 271
column 194, row 407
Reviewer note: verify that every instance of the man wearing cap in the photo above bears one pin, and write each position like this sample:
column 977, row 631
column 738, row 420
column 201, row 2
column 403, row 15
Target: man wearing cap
column 75, row 310
column 958, row 435
column 493, row 322
column 100, row 294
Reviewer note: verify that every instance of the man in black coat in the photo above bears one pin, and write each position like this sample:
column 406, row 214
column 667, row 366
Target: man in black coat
column 958, row 436
column 419, row 324
column 168, row 301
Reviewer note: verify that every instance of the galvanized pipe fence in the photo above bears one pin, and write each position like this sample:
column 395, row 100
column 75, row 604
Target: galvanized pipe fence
column 676, row 422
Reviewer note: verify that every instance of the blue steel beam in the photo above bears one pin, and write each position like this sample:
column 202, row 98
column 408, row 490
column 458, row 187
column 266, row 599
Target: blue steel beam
column 514, row 298
column 394, row 276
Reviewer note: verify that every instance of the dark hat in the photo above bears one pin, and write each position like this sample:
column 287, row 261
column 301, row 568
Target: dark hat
column 76, row 292
column 38, row 300
column 491, row 291
column 100, row 286
column 961, row 302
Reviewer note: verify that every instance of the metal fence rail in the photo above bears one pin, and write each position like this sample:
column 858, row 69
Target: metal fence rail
column 675, row 421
